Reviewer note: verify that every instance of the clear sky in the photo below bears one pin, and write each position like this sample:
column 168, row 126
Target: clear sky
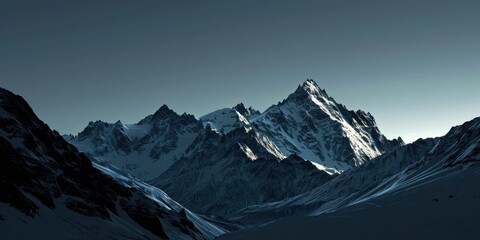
column 415, row 65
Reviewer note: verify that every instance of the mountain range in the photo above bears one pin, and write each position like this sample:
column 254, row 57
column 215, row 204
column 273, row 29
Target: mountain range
column 303, row 168
column 236, row 157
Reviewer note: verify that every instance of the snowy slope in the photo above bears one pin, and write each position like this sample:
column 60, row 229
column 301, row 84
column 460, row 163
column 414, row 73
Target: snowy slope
column 145, row 149
column 442, row 208
column 48, row 190
column 208, row 230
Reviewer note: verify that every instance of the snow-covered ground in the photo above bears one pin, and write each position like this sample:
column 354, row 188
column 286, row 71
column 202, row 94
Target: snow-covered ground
column 440, row 208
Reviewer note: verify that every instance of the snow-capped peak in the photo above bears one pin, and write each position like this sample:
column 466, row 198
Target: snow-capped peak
column 313, row 125
column 162, row 113
column 311, row 87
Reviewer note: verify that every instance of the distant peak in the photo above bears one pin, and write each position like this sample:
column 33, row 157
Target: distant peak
column 164, row 108
column 400, row 141
column 188, row 118
column 163, row 111
column 310, row 82
column 97, row 123
column 240, row 108
column 360, row 112
column 312, row 87
column 307, row 90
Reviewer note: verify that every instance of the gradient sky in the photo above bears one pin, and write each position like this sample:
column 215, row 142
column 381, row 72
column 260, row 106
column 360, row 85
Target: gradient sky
column 415, row 65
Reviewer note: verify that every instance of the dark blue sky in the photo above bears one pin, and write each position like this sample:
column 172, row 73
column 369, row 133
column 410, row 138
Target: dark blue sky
column 415, row 65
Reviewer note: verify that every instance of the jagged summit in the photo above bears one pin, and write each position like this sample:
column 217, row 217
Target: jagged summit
column 166, row 114
column 310, row 86
column 164, row 109
column 240, row 107
column 306, row 90
column 310, row 92
column 162, row 113
column 313, row 125
column 246, row 112
column 92, row 128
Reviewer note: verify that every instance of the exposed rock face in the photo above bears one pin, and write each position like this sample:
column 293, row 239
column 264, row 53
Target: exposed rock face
column 44, row 176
